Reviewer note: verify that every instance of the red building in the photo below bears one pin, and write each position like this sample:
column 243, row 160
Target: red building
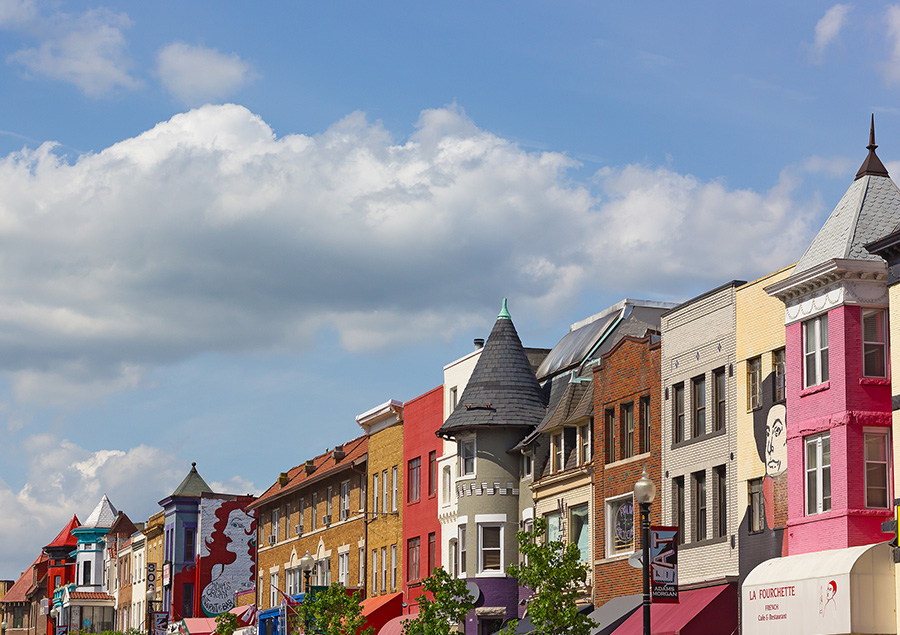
column 421, row 526
column 61, row 564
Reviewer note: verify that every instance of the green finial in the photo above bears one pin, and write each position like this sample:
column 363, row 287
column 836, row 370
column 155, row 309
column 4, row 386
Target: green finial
column 504, row 312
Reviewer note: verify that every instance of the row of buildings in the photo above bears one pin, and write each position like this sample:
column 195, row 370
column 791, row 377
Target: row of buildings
column 762, row 411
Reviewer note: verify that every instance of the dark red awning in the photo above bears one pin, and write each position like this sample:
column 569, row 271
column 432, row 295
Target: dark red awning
column 708, row 611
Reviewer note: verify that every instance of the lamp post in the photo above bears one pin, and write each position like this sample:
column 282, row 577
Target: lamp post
column 644, row 493
column 3, row 626
column 307, row 562
column 54, row 613
column 151, row 601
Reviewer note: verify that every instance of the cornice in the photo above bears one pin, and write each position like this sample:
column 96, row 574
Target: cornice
column 806, row 283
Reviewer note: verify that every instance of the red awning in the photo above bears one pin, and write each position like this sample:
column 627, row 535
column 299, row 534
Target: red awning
column 199, row 625
column 709, row 611
column 394, row 626
column 379, row 610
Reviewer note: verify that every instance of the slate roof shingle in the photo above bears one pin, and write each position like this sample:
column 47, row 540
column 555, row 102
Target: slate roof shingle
column 103, row 516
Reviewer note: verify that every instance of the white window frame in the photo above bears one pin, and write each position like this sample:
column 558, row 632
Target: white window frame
column 813, row 331
column 375, row 570
column 491, row 572
column 344, row 568
column 384, row 491
column 394, row 567
column 361, row 574
column 466, row 456
column 314, row 512
column 375, row 494
column 585, row 439
column 345, row 500
column 329, row 494
column 394, row 485
column 884, row 435
column 273, row 593
column 463, row 546
column 302, row 506
column 609, row 523
column 276, row 517
column 882, row 345
column 384, row 568
column 558, row 453
column 817, row 441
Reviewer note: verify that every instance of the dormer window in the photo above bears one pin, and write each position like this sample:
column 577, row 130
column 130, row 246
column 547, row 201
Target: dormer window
column 558, row 452
column 466, row 457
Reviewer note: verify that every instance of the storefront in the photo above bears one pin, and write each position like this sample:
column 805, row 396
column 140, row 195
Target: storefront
column 834, row 592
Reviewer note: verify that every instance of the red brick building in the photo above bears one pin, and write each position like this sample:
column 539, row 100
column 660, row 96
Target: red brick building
column 421, row 526
column 626, row 441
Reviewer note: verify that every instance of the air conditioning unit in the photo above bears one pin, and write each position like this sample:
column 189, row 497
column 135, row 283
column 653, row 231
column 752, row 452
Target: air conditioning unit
column 271, row 540
column 298, row 530
column 326, row 519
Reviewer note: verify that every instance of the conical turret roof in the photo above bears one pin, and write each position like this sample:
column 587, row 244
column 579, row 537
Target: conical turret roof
column 103, row 516
column 503, row 390
column 869, row 209
column 192, row 485
column 65, row 539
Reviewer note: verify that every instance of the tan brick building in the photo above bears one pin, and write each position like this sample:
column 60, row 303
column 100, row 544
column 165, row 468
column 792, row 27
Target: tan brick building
column 385, row 549
column 319, row 507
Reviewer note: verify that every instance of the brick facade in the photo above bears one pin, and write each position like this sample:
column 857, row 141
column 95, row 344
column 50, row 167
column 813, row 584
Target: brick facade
column 628, row 375
column 385, row 532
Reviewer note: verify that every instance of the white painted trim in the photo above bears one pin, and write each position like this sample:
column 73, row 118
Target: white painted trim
column 490, row 518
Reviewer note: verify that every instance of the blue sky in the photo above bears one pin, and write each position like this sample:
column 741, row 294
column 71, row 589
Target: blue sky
column 226, row 230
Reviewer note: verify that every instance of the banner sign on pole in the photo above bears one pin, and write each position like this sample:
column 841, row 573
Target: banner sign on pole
column 664, row 564
column 160, row 622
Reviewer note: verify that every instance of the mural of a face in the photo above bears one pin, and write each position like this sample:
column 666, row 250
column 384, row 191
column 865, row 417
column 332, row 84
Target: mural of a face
column 239, row 526
column 776, row 440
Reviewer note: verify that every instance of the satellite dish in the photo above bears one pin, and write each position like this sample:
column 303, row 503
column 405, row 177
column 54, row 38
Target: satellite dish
column 472, row 588
column 636, row 559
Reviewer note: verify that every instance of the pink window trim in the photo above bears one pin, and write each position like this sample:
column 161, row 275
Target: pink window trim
column 817, row 388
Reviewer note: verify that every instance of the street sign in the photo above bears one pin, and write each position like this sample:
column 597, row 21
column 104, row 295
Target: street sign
column 664, row 564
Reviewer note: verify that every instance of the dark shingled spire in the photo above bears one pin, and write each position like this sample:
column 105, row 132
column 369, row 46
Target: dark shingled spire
column 872, row 165
column 503, row 390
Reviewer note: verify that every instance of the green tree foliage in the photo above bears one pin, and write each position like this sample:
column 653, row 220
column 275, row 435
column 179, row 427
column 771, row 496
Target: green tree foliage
column 450, row 602
column 554, row 572
column 330, row 612
column 226, row 623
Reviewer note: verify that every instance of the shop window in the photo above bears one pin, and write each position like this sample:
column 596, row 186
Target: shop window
column 874, row 336
column 620, row 525
column 818, row 473
column 877, row 468
column 815, row 351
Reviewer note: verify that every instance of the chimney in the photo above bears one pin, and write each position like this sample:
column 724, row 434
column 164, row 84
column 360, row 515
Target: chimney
column 282, row 479
column 338, row 453
column 310, row 467
column 479, row 343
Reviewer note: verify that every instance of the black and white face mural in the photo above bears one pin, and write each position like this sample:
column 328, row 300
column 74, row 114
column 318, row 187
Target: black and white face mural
column 770, row 429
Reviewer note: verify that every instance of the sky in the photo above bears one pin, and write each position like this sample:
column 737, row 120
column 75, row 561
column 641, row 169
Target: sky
column 228, row 229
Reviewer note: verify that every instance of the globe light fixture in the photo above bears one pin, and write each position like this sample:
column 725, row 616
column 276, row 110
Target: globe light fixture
column 644, row 493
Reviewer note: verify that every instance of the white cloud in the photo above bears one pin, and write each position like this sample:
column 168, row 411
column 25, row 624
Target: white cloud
column 88, row 51
column 208, row 233
column 16, row 12
column 828, row 28
column 197, row 75
column 892, row 66
column 63, row 479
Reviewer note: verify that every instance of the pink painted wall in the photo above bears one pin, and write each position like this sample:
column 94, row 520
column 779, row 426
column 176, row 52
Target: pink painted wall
column 844, row 405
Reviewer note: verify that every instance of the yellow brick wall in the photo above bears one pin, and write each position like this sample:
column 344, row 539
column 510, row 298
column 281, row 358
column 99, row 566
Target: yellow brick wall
column 760, row 331
column 385, row 530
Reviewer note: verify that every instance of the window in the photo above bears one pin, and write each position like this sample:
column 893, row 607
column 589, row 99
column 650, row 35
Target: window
column 432, row 473
column 86, row 573
column 384, row 492
column 453, row 398
column 412, row 559
column 412, row 486
column 394, row 567
column 273, row 589
column 329, row 494
column 527, row 464
column 344, row 568
column 584, row 433
column 345, row 500
column 815, row 350
column 432, row 544
column 490, row 553
column 609, row 421
column 627, row 434
column 276, row 518
column 293, row 581
column 188, row 592
column 645, row 424
column 454, row 557
column 18, row 616
column 467, row 457
column 579, row 528
column 720, row 507
column 384, row 567
column 374, row 570
column 554, row 526
column 446, row 479
column 778, row 370
column 558, row 452
column 818, row 473
column 698, row 503
column 755, row 493
column 375, row 494
column 698, row 404
column 754, row 382
column 314, row 511
column 361, row 574
column 678, row 411
column 189, row 544
column 719, row 399
column 874, row 343
column 462, row 549
column 395, row 483
column 620, row 525
column 876, row 469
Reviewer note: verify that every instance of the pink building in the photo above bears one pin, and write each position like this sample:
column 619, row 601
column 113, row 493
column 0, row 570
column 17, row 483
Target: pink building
column 837, row 373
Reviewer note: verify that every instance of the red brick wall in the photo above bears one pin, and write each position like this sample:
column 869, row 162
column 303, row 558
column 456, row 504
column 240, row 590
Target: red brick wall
column 629, row 371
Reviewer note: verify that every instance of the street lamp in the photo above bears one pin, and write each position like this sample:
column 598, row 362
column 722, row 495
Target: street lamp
column 307, row 562
column 3, row 626
column 644, row 493
column 151, row 604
